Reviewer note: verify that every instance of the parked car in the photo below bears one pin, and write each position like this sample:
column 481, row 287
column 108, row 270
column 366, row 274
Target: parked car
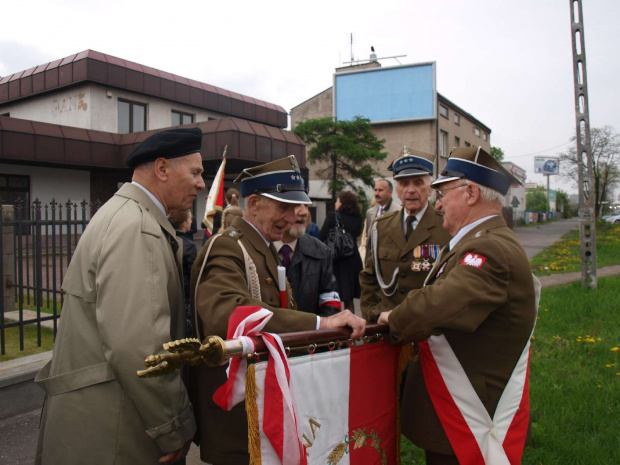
column 613, row 218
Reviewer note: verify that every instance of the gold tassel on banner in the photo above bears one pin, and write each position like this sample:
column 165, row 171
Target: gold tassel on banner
column 251, row 408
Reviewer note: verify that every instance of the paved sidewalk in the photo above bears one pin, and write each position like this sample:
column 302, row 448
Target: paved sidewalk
column 566, row 278
column 30, row 315
column 537, row 238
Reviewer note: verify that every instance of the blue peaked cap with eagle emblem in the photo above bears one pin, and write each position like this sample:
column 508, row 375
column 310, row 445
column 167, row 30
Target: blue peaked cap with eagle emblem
column 280, row 180
column 412, row 164
column 475, row 164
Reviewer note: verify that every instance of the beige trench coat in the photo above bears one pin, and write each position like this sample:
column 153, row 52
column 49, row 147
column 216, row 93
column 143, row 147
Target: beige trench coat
column 123, row 300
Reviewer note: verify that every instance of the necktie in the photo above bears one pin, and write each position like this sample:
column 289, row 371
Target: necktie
column 410, row 225
column 380, row 212
column 285, row 255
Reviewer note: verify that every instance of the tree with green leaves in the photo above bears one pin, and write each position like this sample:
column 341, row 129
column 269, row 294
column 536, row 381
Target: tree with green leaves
column 605, row 145
column 536, row 200
column 350, row 148
column 497, row 153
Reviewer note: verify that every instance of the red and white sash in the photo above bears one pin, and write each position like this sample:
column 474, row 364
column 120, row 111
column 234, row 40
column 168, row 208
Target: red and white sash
column 476, row 437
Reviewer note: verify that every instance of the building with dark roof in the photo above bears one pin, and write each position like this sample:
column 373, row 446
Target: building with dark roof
column 75, row 119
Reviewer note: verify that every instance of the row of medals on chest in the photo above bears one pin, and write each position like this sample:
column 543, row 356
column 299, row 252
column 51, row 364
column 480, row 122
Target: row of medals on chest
column 424, row 257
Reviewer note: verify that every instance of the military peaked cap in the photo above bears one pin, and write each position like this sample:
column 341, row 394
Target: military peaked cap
column 475, row 164
column 412, row 164
column 171, row 143
column 279, row 180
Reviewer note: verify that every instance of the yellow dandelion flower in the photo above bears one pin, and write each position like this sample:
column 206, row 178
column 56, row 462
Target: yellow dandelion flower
column 599, row 339
column 609, row 365
column 599, row 386
column 614, row 349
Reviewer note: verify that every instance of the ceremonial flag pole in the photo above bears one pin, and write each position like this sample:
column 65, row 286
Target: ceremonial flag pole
column 215, row 199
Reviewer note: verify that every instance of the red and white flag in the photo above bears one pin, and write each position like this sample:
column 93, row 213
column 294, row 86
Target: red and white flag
column 215, row 199
column 346, row 406
column 276, row 384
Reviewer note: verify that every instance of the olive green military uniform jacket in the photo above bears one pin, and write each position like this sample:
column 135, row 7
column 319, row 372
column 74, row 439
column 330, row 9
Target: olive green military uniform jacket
column 396, row 253
column 223, row 287
column 123, row 300
column 371, row 214
column 484, row 306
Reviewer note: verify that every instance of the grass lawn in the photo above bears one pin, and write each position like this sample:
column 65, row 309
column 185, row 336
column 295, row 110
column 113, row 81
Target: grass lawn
column 565, row 256
column 11, row 342
column 575, row 378
column 47, row 306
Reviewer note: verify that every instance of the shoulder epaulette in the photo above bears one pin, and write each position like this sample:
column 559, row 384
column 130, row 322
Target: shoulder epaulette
column 482, row 233
column 233, row 234
column 387, row 215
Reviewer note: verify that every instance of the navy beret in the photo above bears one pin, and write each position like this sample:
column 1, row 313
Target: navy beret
column 171, row 143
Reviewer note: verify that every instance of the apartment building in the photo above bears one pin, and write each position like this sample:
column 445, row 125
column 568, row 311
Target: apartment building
column 451, row 126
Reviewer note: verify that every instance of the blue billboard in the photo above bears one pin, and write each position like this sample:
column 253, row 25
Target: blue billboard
column 393, row 94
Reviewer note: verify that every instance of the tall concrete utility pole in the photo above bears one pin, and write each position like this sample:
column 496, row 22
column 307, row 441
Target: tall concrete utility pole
column 585, row 183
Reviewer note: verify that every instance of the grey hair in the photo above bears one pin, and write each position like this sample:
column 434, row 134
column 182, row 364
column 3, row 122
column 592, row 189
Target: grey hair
column 488, row 194
column 147, row 166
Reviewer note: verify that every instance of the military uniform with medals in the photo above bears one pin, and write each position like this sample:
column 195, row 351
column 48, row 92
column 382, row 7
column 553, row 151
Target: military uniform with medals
column 411, row 259
column 396, row 264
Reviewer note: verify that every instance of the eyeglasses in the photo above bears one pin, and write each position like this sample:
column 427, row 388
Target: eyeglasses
column 441, row 193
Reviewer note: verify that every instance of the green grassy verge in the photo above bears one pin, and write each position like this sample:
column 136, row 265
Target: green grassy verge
column 565, row 256
column 575, row 378
column 11, row 342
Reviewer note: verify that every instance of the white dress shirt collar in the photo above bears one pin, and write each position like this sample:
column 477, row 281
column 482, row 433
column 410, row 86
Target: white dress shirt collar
column 278, row 245
column 418, row 217
column 465, row 229
column 152, row 197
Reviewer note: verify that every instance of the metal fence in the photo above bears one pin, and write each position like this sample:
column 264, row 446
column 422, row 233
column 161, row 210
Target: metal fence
column 36, row 243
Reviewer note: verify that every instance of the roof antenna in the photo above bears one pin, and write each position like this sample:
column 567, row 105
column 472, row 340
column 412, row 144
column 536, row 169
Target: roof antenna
column 373, row 55
column 352, row 57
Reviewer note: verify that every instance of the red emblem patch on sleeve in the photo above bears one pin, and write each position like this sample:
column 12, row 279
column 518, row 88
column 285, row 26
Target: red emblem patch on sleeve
column 474, row 259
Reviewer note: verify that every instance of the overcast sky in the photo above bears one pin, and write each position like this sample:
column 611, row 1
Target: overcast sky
column 508, row 63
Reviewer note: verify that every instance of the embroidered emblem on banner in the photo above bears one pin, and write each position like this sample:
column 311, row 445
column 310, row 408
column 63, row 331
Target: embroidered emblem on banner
column 358, row 438
column 474, row 259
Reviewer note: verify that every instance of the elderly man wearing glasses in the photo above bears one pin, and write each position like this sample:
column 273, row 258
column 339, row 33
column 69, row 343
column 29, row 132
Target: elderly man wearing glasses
column 466, row 399
column 404, row 244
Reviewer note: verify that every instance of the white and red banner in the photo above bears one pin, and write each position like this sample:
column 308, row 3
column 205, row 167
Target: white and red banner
column 215, row 199
column 346, row 406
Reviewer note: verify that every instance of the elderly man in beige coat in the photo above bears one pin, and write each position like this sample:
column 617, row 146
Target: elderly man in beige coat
column 123, row 300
